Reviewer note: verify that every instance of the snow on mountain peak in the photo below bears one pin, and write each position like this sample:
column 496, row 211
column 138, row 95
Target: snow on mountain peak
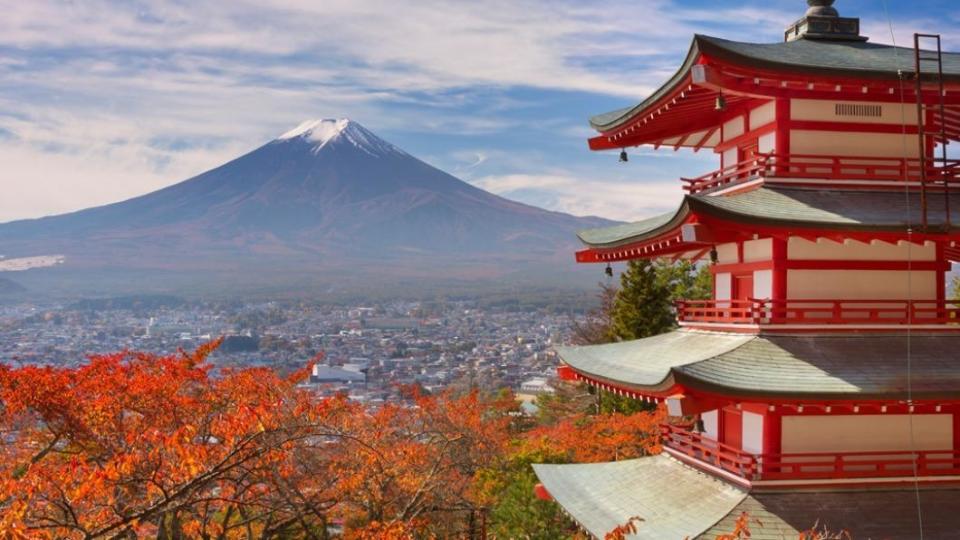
column 323, row 131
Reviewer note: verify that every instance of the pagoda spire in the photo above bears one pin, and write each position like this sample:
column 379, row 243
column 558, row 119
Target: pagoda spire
column 821, row 8
column 822, row 21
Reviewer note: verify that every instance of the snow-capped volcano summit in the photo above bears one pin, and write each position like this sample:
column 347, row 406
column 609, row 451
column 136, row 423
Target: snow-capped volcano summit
column 318, row 130
column 327, row 130
column 326, row 195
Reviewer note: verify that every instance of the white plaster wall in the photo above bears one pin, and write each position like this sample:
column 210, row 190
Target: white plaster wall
column 861, row 284
column 758, row 250
column 752, row 432
column 767, row 144
column 862, row 432
column 711, row 424
column 825, row 111
column 763, row 284
column 835, row 143
column 763, row 115
column 727, row 253
column 713, row 140
column 729, row 157
column 723, row 285
column 733, row 128
column 674, row 407
column 823, row 249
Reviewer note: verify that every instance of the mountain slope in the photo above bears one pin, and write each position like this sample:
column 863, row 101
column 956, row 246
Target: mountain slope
column 328, row 193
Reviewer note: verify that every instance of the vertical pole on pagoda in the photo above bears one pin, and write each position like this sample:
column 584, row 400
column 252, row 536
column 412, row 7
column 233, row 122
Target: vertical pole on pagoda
column 921, row 133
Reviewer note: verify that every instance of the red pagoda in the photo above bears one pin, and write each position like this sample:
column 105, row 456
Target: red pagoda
column 822, row 375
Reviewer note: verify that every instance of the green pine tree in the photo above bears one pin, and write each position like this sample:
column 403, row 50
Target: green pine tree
column 644, row 304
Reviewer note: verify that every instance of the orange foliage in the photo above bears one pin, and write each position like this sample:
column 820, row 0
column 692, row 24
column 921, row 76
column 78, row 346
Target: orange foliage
column 620, row 532
column 140, row 445
column 741, row 529
column 584, row 438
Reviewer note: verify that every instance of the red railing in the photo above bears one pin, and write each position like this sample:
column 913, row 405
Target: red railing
column 801, row 312
column 710, row 451
column 839, row 168
column 745, row 170
column 812, row 465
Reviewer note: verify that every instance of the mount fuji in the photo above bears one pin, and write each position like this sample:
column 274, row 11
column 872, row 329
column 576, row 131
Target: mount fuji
column 327, row 205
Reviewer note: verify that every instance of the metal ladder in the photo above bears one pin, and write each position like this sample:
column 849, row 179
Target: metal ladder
column 925, row 137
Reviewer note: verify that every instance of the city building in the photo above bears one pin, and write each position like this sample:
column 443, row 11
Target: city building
column 536, row 385
column 821, row 383
column 332, row 375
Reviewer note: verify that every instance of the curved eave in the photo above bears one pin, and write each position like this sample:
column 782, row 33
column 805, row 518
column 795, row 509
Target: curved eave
column 698, row 386
column 631, row 233
column 773, row 368
column 756, row 208
column 646, row 365
column 673, row 499
column 609, row 121
column 822, row 59
column 725, row 50
column 779, row 207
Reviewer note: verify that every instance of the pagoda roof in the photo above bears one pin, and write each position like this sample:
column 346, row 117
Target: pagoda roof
column 677, row 501
column 832, row 366
column 826, row 58
column 793, row 207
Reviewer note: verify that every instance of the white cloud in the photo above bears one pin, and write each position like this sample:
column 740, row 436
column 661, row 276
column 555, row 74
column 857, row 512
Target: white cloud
column 109, row 99
column 620, row 200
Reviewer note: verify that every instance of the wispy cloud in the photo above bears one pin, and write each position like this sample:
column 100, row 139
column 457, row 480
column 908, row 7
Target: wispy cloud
column 101, row 100
column 625, row 201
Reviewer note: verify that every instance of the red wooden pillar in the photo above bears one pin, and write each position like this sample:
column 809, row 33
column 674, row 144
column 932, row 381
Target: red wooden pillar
column 772, row 438
column 772, row 432
column 956, row 431
column 783, row 126
column 941, row 273
column 779, row 269
column 731, row 427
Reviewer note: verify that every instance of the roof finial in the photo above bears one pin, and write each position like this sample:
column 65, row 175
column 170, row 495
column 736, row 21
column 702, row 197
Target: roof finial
column 822, row 21
column 821, row 8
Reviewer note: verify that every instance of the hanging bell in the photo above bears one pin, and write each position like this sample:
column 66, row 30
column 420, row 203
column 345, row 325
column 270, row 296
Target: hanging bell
column 623, row 156
column 608, row 271
column 720, row 104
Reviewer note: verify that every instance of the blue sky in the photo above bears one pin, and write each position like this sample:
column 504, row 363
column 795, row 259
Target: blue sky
column 101, row 101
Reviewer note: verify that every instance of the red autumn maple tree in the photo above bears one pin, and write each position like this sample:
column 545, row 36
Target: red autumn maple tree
column 136, row 445
column 584, row 438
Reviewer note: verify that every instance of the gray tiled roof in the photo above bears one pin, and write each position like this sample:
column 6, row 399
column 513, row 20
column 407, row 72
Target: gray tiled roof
column 674, row 500
column 823, row 57
column 812, row 366
column 886, row 514
column 635, row 231
column 649, row 361
column 888, row 210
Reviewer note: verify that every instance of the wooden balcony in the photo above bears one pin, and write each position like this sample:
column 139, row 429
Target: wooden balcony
column 846, row 170
column 765, row 312
column 810, row 466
